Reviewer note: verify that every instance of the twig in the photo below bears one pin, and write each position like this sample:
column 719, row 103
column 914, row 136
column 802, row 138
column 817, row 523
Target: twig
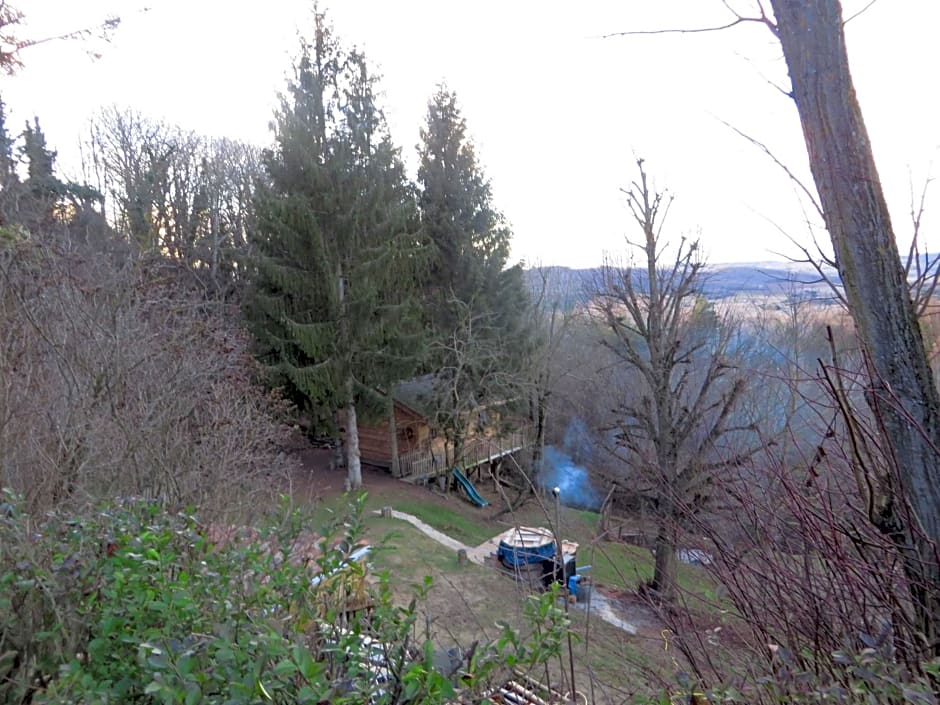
column 738, row 19
column 860, row 12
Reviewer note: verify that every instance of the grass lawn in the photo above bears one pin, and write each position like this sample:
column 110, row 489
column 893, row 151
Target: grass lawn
column 451, row 515
column 466, row 602
column 613, row 564
column 469, row 529
column 400, row 547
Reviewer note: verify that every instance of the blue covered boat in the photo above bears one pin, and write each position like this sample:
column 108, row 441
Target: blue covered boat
column 526, row 546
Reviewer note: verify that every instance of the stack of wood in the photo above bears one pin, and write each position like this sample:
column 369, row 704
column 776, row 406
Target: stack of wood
column 523, row 690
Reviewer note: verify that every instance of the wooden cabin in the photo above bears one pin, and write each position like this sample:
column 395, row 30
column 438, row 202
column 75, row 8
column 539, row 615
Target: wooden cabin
column 412, row 433
column 421, row 449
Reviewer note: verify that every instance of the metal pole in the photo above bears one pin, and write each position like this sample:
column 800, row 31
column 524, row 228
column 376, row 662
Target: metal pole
column 558, row 547
column 564, row 583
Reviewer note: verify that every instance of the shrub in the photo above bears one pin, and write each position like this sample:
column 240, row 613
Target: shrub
column 118, row 378
column 134, row 604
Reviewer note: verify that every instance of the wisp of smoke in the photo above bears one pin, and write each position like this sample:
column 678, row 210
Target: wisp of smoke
column 559, row 470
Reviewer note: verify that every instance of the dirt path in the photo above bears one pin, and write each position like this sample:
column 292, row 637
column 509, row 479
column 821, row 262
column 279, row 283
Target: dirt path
column 431, row 532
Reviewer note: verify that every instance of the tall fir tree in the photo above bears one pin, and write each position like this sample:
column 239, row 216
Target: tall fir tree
column 476, row 301
column 332, row 302
column 42, row 202
column 10, row 186
column 42, row 188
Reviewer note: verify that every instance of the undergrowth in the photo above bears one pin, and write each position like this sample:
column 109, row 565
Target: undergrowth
column 132, row 604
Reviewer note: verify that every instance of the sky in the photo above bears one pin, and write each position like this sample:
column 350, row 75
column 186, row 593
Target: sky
column 559, row 114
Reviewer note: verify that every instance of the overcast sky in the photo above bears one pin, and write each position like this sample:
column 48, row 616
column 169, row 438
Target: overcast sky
column 558, row 113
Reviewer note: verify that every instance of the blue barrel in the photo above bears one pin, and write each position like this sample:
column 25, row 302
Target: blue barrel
column 526, row 546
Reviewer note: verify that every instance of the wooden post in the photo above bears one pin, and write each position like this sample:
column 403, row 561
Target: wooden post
column 606, row 507
column 393, row 439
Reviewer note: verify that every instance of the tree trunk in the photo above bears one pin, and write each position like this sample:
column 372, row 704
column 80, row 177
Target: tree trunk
column 664, row 573
column 538, row 443
column 216, row 246
column 456, row 448
column 353, row 466
column 393, row 440
column 903, row 395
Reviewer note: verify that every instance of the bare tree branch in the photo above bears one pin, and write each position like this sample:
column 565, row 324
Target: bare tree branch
column 766, row 150
column 860, row 12
column 738, row 20
column 921, row 269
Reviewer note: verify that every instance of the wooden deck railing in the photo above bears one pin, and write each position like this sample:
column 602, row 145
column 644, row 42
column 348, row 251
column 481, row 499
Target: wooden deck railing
column 420, row 463
column 476, row 451
column 483, row 450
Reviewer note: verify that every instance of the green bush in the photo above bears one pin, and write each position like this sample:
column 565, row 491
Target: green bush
column 133, row 604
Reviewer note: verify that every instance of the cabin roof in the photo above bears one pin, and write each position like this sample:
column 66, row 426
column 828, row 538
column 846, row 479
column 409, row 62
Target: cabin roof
column 416, row 394
column 411, row 414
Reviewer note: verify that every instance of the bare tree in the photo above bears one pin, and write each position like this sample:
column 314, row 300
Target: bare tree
column 175, row 192
column 676, row 426
column 470, row 363
column 118, row 379
column 882, row 301
column 548, row 325
column 130, row 155
column 816, row 587
column 903, row 395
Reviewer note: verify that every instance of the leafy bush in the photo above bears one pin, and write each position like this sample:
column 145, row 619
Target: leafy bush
column 133, row 604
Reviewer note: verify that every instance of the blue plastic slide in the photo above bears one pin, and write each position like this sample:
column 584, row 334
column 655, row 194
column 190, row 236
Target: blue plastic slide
column 468, row 487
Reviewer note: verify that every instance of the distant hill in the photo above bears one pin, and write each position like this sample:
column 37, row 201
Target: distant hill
column 572, row 286
column 767, row 279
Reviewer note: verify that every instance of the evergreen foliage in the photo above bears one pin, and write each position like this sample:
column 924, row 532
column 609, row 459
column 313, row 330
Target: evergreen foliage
column 9, row 181
column 471, row 238
column 476, row 303
column 42, row 186
column 42, row 201
column 337, row 246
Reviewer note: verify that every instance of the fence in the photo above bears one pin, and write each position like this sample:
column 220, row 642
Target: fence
column 425, row 463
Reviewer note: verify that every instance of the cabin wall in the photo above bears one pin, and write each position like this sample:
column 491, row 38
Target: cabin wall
column 375, row 445
column 415, row 434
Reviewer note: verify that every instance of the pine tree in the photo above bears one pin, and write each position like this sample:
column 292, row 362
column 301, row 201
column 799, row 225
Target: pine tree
column 9, row 180
column 470, row 237
column 476, row 303
column 43, row 189
column 42, row 202
column 336, row 243
column 7, row 161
